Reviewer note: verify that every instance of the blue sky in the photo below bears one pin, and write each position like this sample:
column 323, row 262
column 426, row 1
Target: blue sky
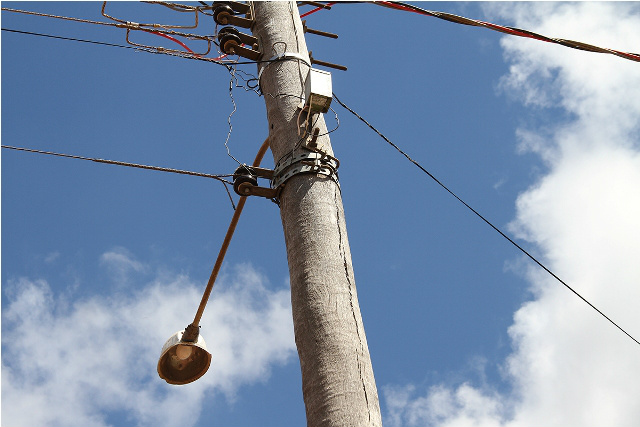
column 101, row 263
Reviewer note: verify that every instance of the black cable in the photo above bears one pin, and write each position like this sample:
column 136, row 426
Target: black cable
column 119, row 163
column 69, row 38
column 482, row 217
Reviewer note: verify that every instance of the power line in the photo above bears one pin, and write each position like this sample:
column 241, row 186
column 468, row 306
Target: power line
column 71, row 39
column 119, row 163
column 504, row 29
column 406, row 7
column 144, row 49
column 129, row 25
column 482, row 217
column 389, row 4
column 163, row 32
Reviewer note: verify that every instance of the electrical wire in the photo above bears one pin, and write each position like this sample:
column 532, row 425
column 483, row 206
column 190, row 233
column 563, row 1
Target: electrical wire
column 510, row 240
column 335, row 113
column 235, row 108
column 163, row 32
column 72, row 39
column 328, row 6
column 130, row 26
column 173, row 39
column 143, row 49
column 119, row 163
column 507, row 30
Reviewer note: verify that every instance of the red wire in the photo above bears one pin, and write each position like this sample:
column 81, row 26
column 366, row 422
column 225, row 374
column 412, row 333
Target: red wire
column 220, row 57
column 481, row 23
column 175, row 40
column 400, row 7
column 511, row 31
column 315, row 10
column 507, row 30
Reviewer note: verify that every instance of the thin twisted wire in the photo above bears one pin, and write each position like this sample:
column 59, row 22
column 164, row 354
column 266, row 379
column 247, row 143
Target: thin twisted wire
column 120, row 163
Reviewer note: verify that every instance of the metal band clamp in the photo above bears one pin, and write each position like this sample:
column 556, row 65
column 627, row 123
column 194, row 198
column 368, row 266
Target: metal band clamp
column 306, row 162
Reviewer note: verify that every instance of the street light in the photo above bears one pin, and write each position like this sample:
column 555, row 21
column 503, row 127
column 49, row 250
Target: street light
column 182, row 362
column 184, row 357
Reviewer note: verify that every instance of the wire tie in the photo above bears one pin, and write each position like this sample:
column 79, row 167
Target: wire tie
column 281, row 57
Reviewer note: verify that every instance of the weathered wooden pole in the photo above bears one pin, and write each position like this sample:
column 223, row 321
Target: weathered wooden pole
column 337, row 377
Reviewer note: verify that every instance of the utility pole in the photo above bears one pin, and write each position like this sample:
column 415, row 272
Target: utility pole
column 337, row 377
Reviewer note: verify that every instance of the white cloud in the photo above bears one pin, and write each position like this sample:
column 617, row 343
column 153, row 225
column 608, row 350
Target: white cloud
column 569, row 366
column 51, row 258
column 121, row 264
column 71, row 363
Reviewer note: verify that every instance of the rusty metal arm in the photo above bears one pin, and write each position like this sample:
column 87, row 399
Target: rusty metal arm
column 192, row 331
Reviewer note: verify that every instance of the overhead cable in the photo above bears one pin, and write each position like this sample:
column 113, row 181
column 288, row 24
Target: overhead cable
column 163, row 32
column 143, row 49
column 71, row 39
column 482, row 217
column 508, row 30
column 129, row 25
column 119, row 163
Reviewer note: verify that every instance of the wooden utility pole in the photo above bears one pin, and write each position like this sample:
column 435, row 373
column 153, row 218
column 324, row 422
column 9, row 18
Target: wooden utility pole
column 337, row 377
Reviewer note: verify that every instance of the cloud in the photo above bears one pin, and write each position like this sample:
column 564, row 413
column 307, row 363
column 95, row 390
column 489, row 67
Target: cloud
column 569, row 366
column 121, row 264
column 52, row 257
column 73, row 363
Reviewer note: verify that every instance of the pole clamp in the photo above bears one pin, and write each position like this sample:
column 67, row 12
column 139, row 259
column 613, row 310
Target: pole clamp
column 305, row 162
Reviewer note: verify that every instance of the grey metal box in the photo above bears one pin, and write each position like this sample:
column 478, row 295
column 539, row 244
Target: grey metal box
column 318, row 91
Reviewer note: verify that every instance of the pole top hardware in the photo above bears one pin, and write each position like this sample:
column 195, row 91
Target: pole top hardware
column 232, row 41
column 317, row 32
column 326, row 64
column 245, row 178
column 245, row 182
column 224, row 13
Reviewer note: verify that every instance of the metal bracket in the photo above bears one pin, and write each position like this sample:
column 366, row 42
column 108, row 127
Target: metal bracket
column 227, row 19
column 248, row 189
column 251, row 54
column 317, row 32
column 245, row 182
column 245, row 178
column 305, row 162
column 326, row 64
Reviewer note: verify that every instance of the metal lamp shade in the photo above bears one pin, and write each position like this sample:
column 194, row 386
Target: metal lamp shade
column 182, row 362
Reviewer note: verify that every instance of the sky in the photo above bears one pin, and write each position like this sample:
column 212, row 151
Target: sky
column 102, row 263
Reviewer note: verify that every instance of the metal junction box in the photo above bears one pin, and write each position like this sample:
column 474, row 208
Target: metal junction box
column 318, row 91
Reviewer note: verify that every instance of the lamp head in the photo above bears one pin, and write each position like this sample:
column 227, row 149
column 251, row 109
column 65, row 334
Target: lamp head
column 182, row 362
